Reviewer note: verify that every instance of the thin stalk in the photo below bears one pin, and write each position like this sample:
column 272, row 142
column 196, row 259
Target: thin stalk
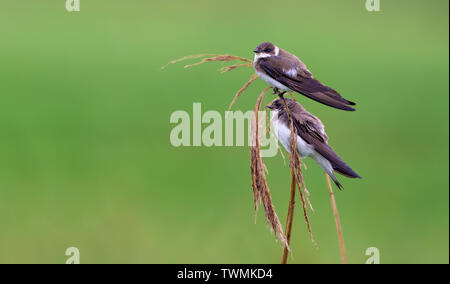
column 241, row 90
column 290, row 218
column 338, row 222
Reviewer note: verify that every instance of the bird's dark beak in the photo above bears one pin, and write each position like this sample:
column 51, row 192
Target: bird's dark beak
column 269, row 107
column 256, row 51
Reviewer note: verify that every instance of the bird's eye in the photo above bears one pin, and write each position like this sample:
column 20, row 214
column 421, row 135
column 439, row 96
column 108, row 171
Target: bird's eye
column 267, row 50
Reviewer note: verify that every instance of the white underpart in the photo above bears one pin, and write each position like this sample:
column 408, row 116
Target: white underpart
column 304, row 149
column 274, row 83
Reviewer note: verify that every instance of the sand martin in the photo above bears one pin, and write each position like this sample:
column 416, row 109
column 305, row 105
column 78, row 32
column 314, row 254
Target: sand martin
column 312, row 141
column 284, row 71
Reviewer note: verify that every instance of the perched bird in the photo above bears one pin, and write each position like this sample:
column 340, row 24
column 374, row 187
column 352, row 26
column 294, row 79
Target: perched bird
column 284, row 71
column 312, row 140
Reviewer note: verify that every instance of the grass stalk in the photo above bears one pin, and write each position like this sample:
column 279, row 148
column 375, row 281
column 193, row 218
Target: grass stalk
column 337, row 220
column 241, row 90
column 290, row 219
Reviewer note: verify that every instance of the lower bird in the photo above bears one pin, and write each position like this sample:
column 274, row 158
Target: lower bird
column 312, row 141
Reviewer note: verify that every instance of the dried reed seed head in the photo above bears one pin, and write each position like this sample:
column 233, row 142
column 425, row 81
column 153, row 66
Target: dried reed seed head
column 195, row 56
column 224, row 57
column 232, row 67
column 215, row 57
column 261, row 192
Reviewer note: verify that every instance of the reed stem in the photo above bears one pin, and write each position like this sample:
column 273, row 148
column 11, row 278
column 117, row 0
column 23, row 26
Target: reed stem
column 338, row 222
column 290, row 219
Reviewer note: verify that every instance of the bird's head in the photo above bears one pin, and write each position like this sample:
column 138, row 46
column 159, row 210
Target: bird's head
column 278, row 105
column 266, row 49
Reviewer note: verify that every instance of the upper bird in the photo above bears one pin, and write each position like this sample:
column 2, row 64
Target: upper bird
column 284, row 71
column 312, row 141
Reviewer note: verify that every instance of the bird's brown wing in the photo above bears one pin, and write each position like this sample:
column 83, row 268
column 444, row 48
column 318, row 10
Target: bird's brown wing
column 303, row 83
column 309, row 131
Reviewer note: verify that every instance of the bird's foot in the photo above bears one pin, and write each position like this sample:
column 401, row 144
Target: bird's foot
column 276, row 91
column 281, row 94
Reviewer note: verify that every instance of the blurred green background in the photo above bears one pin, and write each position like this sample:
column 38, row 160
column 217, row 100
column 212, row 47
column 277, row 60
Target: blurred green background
column 85, row 156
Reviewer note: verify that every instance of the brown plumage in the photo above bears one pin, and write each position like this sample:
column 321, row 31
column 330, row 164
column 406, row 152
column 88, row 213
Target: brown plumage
column 284, row 71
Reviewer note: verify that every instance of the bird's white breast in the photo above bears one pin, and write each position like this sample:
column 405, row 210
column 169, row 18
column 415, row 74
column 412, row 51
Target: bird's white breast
column 283, row 134
column 274, row 83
